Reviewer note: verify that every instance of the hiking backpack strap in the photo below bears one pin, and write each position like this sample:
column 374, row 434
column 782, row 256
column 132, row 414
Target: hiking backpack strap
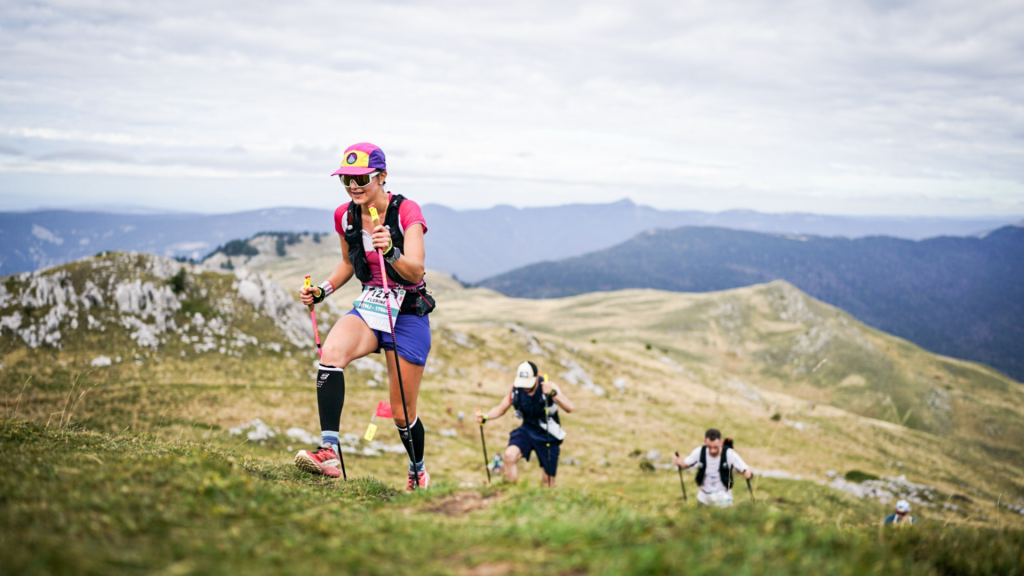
column 354, row 239
column 724, row 469
column 703, row 465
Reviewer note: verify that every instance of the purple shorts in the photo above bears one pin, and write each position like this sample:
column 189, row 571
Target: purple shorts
column 412, row 333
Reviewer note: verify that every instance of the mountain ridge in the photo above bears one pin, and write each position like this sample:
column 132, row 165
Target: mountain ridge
column 961, row 297
column 471, row 244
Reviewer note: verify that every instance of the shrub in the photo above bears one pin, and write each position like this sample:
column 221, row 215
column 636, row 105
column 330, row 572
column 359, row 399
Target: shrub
column 178, row 281
column 239, row 248
column 858, row 476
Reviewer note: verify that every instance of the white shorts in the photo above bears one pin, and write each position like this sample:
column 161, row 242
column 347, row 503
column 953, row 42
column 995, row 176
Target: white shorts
column 720, row 499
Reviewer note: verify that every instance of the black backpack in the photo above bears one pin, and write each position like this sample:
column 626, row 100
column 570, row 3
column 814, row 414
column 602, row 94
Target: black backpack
column 724, row 469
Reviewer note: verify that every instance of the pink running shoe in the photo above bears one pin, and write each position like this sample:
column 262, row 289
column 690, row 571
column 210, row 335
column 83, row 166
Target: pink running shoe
column 324, row 461
column 422, row 481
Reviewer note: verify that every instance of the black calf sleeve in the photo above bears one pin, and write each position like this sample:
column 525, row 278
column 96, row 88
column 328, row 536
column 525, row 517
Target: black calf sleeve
column 330, row 397
column 413, row 441
column 417, row 440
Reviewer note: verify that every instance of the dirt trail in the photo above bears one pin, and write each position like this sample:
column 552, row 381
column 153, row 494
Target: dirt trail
column 461, row 504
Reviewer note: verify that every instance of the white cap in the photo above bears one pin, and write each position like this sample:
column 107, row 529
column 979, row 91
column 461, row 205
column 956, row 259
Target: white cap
column 526, row 375
column 903, row 506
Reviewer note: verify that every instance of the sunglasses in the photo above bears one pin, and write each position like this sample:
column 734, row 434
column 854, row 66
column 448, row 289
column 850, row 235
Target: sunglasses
column 358, row 181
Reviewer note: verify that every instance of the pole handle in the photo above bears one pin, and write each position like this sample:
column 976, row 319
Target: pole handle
column 308, row 284
column 682, row 484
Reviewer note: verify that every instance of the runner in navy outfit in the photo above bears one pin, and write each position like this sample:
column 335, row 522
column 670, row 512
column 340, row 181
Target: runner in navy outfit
column 365, row 328
column 536, row 401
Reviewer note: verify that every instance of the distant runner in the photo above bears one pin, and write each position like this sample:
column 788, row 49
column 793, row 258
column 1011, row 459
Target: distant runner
column 714, row 475
column 536, row 401
column 902, row 516
column 365, row 329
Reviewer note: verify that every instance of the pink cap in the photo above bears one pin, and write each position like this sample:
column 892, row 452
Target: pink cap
column 362, row 158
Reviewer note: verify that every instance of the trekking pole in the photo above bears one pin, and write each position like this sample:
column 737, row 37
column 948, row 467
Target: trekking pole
column 391, row 324
column 681, row 483
column 751, row 490
column 312, row 316
column 320, row 354
column 484, row 444
column 547, row 429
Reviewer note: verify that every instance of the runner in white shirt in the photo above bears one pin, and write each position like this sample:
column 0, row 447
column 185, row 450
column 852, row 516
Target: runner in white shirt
column 713, row 476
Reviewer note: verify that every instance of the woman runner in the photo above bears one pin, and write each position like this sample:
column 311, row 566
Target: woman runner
column 365, row 328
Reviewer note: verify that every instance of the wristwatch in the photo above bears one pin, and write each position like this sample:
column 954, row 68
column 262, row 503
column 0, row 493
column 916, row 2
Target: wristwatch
column 554, row 392
column 395, row 255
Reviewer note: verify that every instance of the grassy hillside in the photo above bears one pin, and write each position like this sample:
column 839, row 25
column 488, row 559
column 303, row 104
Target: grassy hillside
column 648, row 371
column 74, row 502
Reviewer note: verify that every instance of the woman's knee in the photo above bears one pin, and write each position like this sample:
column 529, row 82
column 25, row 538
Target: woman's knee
column 335, row 356
column 512, row 454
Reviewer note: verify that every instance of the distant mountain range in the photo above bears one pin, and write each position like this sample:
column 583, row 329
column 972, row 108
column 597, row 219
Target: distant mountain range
column 962, row 297
column 471, row 244
column 32, row 240
column 477, row 244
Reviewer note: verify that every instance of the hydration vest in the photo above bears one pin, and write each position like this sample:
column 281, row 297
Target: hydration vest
column 724, row 469
column 354, row 239
column 534, row 409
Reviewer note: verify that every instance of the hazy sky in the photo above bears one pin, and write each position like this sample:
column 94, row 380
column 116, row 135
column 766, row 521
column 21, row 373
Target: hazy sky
column 832, row 106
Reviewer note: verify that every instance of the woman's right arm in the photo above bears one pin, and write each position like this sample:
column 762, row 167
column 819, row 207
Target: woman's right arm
column 342, row 273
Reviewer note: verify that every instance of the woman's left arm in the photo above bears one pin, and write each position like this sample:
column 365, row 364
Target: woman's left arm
column 410, row 264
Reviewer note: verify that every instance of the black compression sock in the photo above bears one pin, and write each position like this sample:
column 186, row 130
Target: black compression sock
column 417, row 440
column 330, row 397
column 413, row 442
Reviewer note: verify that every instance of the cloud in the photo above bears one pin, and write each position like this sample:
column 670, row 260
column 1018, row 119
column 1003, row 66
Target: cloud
column 776, row 97
column 7, row 150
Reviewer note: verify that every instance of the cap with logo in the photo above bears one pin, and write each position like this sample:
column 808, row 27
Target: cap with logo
column 360, row 159
column 903, row 506
column 526, row 375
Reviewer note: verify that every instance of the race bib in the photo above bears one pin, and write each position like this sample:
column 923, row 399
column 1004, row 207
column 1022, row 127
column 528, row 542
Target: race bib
column 373, row 307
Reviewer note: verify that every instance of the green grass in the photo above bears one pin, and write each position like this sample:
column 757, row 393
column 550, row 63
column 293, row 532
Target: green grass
column 78, row 502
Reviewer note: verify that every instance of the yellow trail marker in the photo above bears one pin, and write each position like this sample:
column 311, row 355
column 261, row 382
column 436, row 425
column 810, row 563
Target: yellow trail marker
column 370, row 431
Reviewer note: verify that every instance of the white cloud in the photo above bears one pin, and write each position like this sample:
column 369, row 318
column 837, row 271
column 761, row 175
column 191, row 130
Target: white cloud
column 846, row 106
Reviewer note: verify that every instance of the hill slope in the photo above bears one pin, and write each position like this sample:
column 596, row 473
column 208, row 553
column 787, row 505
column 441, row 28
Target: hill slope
column 805, row 389
column 962, row 297
column 76, row 502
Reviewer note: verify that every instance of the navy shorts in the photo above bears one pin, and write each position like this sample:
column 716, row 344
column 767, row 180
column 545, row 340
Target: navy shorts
column 529, row 439
column 412, row 333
